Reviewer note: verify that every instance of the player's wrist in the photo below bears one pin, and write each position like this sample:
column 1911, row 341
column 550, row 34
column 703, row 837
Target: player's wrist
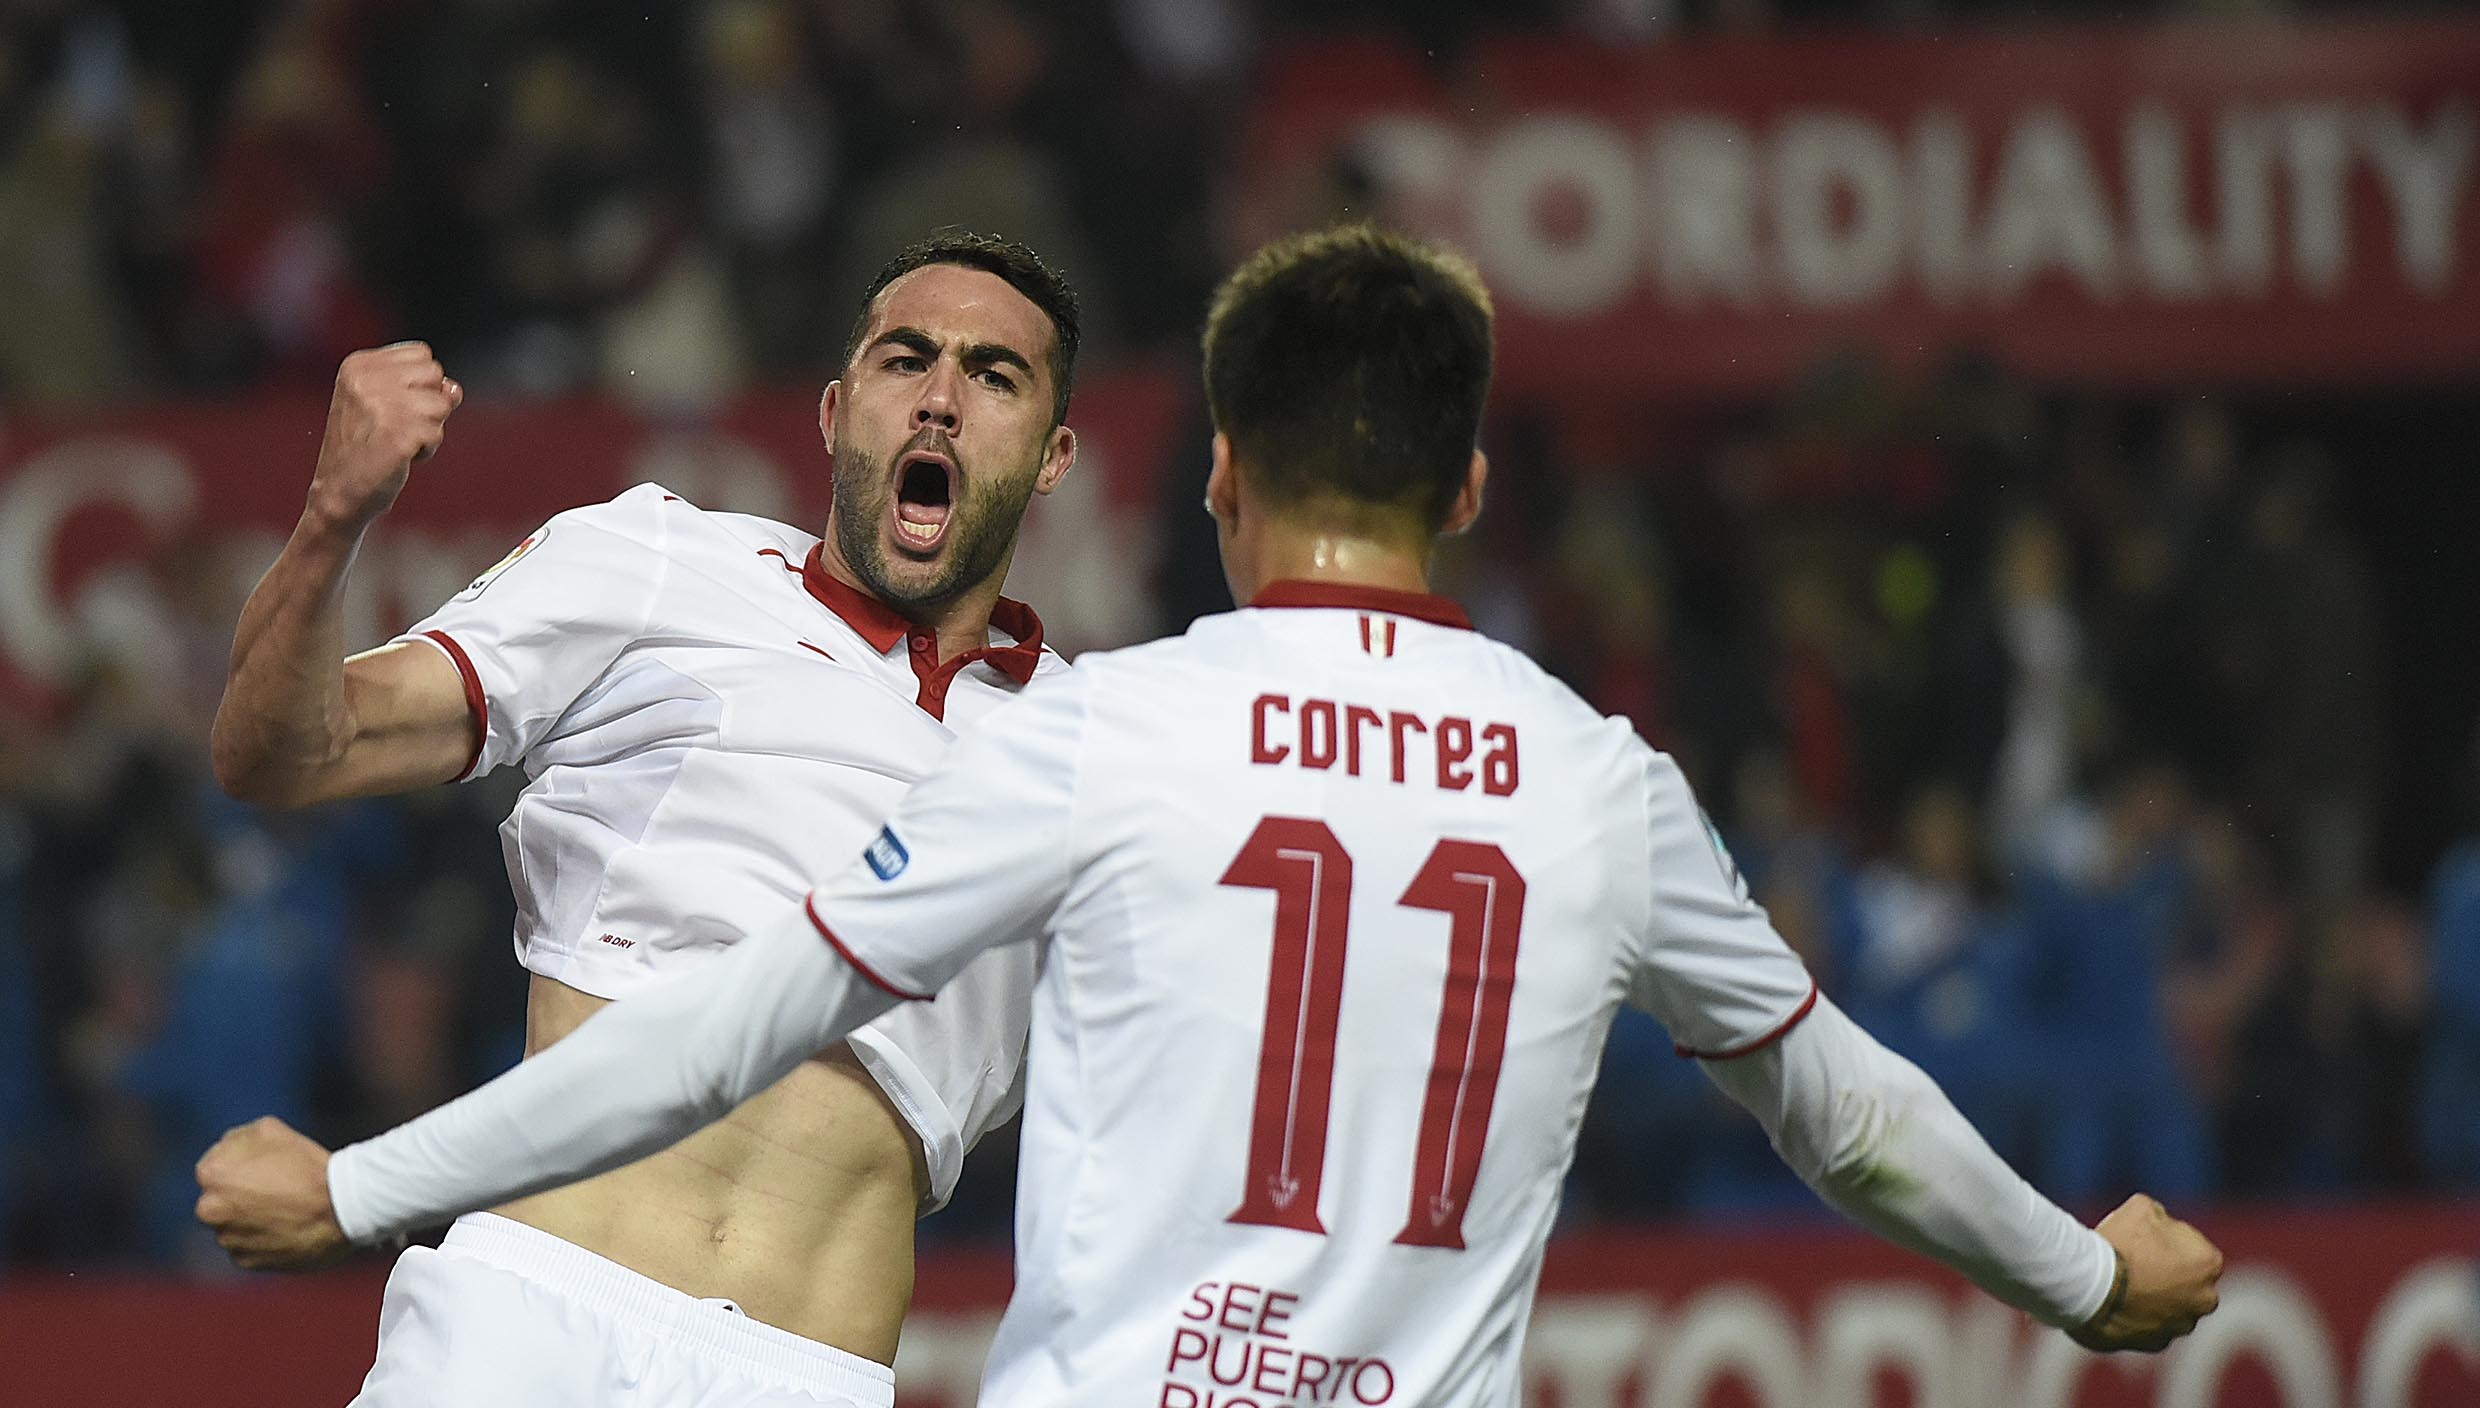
column 344, row 1205
column 2089, row 1332
column 330, row 517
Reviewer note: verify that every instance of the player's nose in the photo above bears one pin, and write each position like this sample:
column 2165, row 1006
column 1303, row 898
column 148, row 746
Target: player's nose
column 939, row 401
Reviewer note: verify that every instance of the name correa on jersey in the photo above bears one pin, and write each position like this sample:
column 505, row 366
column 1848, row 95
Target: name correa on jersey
column 1320, row 734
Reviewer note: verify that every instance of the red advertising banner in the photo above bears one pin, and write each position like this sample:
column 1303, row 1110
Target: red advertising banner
column 2198, row 203
column 2343, row 1308
column 105, row 518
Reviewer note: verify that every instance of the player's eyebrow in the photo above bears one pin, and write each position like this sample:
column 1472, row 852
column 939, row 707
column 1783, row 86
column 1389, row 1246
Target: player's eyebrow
column 977, row 354
column 994, row 354
column 911, row 339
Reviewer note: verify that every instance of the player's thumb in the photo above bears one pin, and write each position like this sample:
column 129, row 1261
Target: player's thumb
column 456, row 392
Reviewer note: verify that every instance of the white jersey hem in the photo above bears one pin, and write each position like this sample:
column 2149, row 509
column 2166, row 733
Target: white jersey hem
column 942, row 1143
column 915, row 1096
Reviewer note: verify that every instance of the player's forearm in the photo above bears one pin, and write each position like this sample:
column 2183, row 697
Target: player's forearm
column 1878, row 1139
column 284, row 718
column 634, row 1079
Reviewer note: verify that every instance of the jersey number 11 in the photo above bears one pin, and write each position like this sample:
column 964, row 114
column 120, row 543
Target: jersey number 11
column 1478, row 889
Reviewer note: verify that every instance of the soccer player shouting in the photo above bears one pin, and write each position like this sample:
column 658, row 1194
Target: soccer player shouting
column 713, row 710
column 1335, row 899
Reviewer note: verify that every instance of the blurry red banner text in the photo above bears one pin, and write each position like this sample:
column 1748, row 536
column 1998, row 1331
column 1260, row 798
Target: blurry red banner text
column 2248, row 202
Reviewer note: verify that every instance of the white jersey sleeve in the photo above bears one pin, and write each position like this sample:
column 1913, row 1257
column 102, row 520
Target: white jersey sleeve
column 532, row 633
column 1877, row 1138
column 1859, row 1124
column 979, row 855
column 1712, row 969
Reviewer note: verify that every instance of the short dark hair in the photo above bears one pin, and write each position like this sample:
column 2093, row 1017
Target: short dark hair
column 1351, row 364
column 1046, row 287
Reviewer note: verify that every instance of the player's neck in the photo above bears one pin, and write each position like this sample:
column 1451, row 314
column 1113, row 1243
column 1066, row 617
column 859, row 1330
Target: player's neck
column 1334, row 557
column 961, row 625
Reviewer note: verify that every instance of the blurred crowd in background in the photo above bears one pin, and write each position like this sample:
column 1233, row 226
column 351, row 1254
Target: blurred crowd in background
column 2066, row 734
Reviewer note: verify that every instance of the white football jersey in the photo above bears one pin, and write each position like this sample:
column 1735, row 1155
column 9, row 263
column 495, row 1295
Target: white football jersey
column 708, row 720
column 1335, row 899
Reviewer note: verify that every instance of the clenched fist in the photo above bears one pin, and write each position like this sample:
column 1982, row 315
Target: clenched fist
column 263, row 1189
column 390, row 412
column 2170, row 1273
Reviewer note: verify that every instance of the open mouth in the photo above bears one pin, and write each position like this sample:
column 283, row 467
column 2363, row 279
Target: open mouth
column 925, row 496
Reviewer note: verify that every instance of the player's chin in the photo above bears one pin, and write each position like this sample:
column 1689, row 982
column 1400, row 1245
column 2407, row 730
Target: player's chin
column 915, row 570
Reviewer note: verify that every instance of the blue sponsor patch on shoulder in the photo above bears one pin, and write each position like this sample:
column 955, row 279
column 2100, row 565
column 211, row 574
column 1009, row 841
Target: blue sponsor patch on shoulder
column 887, row 856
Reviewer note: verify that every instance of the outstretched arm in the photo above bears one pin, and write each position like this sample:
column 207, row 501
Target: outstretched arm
column 635, row 1078
column 1868, row 1131
column 1881, row 1142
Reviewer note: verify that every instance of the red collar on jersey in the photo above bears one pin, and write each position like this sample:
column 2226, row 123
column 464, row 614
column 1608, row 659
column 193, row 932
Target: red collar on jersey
column 881, row 625
column 1420, row 607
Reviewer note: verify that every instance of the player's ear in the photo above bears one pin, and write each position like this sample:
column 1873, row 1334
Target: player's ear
column 1467, row 505
column 1056, row 460
column 830, row 401
column 1223, row 483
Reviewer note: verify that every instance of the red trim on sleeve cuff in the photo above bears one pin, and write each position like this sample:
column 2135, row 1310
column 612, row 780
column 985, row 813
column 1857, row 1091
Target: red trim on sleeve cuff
column 810, row 906
column 476, row 702
column 1760, row 1043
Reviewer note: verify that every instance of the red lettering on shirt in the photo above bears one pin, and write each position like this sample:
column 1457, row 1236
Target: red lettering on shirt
column 1317, row 734
column 1320, row 733
column 1354, row 716
column 1398, row 724
column 1498, row 766
column 1455, row 746
column 1261, row 714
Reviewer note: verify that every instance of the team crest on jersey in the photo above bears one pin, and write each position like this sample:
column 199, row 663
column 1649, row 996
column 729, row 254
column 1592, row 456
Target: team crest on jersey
column 532, row 541
column 887, row 856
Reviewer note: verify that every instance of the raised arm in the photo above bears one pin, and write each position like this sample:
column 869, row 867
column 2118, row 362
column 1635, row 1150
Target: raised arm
column 300, row 723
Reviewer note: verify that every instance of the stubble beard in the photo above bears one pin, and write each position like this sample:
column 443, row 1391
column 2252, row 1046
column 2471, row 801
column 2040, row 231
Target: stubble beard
column 981, row 529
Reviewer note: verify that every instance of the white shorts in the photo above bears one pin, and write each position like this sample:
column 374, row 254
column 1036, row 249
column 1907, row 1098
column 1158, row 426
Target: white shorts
column 505, row 1316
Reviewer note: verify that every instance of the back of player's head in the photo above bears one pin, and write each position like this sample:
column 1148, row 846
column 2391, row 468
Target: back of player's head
column 1349, row 366
column 1045, row 287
